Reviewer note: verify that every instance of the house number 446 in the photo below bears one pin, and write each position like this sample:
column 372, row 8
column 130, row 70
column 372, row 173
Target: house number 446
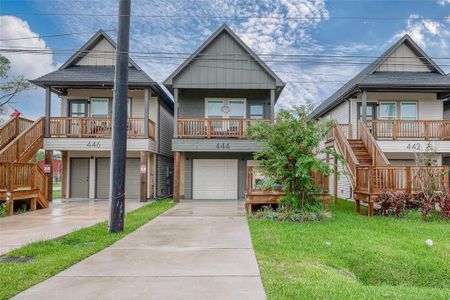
column 93, row 144
column 223, row 146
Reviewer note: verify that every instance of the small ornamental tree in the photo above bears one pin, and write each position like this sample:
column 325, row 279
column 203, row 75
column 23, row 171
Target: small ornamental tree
column 291, row 151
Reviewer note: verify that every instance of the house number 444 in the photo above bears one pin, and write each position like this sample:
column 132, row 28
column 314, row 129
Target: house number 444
column 223, row 146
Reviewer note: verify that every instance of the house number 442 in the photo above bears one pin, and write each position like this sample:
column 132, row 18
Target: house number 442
column 223, row 146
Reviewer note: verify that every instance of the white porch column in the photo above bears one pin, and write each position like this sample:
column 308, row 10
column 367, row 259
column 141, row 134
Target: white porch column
column 364, row 107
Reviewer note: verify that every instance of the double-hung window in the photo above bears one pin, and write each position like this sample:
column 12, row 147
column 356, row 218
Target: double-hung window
column 100, row 107
column 408, row 111
column 256, row 111
column 388, row 110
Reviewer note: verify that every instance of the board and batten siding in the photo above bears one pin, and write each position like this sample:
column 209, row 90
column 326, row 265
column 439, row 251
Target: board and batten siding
column 242, row 169
column 192, row 102
column 224, row 64
column 102, row 54
column 403, row 59
column 340, row 113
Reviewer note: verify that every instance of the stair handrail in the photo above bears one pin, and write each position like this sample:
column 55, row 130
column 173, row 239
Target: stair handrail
column 11, row 152
column 378, row 157
column 346, row 151
column 12, row 128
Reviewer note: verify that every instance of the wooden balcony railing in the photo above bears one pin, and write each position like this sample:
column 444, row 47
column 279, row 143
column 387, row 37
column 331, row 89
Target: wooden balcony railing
column 410, row 179
column 87, row 127
column 215, row 128
column 25, row 145
column 13, row 128
column 341, row 142
column 410, row 129
column 378, row 157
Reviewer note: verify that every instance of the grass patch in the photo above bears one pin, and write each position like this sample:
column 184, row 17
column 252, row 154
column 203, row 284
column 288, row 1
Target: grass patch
column 354, row 257
column 52, row 256
column 56, row 194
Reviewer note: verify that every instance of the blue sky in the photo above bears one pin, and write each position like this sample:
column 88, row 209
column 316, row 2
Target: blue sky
column 307, row 27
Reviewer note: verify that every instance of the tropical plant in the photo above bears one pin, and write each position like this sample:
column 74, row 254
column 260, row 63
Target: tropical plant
column 291, row 150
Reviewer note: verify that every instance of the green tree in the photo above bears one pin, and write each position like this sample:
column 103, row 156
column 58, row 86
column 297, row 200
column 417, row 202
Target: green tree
column 291, row 151
column 10, row 87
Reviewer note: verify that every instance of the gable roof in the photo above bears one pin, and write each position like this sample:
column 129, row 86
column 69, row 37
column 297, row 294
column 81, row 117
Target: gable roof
column 369, row 77
column 89, row 45
column 224, row 28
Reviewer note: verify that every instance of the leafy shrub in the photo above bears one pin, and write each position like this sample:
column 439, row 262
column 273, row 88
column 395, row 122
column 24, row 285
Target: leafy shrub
column 395, row 204
column 427, row 205
column 285, row 213
column 444, row 205
column 3, row 209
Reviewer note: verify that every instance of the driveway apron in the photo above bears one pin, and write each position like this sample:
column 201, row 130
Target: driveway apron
column 200, row 249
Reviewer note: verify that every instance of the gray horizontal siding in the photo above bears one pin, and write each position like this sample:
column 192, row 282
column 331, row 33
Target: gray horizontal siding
column 165, row 129
column 192, row 102
column 164, row 163
column 242, row 169
column 224, row 64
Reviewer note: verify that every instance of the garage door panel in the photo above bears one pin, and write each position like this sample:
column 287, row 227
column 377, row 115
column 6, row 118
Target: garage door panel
column 132, row 178
column 215, row 179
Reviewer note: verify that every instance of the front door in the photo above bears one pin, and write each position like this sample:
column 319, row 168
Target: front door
column 371, row 110
column 79, row 177
column 77, row 109
column 228, row 112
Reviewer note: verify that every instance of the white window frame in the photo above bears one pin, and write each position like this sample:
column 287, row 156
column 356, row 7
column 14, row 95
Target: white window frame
column 93, row 99
column 380, row 117
column 409, row 102
column 225, row 102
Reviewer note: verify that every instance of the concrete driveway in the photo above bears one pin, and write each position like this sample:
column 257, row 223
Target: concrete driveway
column 62, row 217
column 197, row 250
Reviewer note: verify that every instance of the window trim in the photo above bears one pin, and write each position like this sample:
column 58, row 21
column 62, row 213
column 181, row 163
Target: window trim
column 225, row 102
column 250, row 110
column 395, row 110
column 409, row 102
column 94, row 99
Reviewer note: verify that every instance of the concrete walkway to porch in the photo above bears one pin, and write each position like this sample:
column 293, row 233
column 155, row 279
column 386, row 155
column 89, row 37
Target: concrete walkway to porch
column 196, row 250
column 62, row 217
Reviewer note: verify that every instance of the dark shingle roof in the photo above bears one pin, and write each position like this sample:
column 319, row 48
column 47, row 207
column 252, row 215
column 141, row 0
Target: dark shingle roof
column 81, row 75
column 368, row 77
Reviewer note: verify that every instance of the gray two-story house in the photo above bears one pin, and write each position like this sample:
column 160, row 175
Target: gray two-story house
column 220, row 90
column 82, row 129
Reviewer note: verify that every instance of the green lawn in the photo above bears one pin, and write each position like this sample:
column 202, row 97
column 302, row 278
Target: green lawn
column 52, row 256
column 353, row 257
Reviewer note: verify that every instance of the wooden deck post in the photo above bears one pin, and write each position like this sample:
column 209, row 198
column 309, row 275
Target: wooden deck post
column 335, row 178
column 357, row 206
column 10, row 176
column 408, row 180
column 64, row 174
column 49, row 162
column 176, row 177
column 182, row 170
column 143, row 177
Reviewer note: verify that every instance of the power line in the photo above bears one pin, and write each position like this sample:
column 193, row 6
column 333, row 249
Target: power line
column 213, row 56
column 285, row 17
column 51, row 35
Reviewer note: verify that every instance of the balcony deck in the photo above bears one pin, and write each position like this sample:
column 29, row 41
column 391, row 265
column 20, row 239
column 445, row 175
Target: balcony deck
column 421, row 130
column 96, row 127
column 209, row 128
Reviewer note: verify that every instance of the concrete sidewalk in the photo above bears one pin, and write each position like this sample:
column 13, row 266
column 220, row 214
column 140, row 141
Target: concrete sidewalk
column 197, row 250
column 62, row 217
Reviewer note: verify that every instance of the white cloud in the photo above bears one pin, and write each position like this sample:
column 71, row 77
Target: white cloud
column 27, row 64
column 443, row 2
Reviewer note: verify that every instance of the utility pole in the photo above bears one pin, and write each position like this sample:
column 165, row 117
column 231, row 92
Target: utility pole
column 119, row 130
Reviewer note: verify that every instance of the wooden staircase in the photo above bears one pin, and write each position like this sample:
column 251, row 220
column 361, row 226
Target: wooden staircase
column 362, row 154
column 19, row 179
column 370, row 172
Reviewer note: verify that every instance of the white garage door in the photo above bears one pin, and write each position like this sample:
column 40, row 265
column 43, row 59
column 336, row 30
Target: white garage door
column 215, row 179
